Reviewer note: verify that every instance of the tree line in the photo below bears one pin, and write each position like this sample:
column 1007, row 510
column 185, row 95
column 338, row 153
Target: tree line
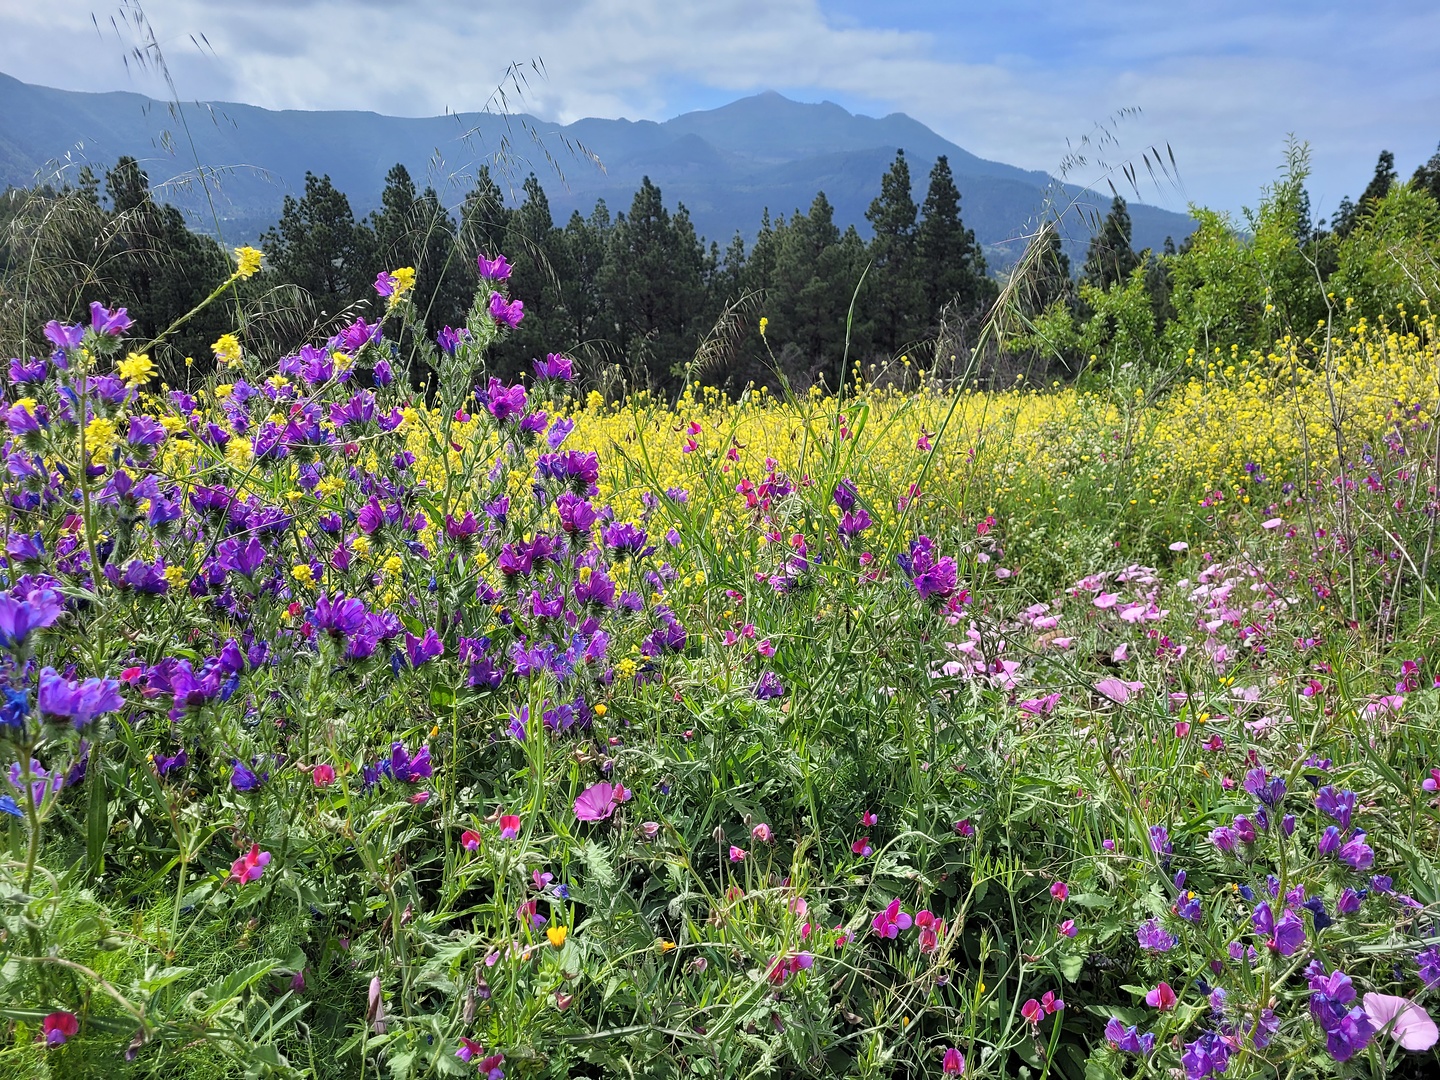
column 638, row 295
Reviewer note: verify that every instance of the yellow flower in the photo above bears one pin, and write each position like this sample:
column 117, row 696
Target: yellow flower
column 100, row 437
column 172, row 424
column 175, row 575
column 402, row 281
column 666, row 946
column 238, row 452
column 556, row 934
column 247, row 261
column 226, row 349
column 360, row 545
column 764, row 322
column 136, row 369
column 600, row 709
column 394, row 564
column 302, row 573
column 223, row 390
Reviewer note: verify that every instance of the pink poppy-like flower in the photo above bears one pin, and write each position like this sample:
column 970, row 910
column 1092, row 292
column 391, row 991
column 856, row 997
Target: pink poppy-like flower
column 598, row 802
column 1060, row 891
column 737, row 854
column 763, row 833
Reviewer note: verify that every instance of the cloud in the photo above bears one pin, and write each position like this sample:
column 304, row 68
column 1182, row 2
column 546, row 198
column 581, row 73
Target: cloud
column 1222, row 83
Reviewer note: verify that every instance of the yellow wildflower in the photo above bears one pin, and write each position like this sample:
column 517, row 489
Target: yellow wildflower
column 557, row 934
column 247, row 262
column 100, row 437
column 136, row 369
column 238, row 452
column 226, row 349
column 302, row 573
column 175, row 575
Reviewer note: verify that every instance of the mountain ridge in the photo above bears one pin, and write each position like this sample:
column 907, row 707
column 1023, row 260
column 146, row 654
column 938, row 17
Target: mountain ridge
column 727, row 164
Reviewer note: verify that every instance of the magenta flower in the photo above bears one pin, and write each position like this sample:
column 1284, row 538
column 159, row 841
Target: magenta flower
column 105, row 321
column 1041, row 706
column 496, row 269
column 1117, row 690
column 249, row 866
column 470, row 840
column 58, row 1027
column 598, row 802
column 954, row 1063
column 862, row 847
column 1060, row 891
column 506, row 312
column 509, row 826
column 889, row 922
column 1162, row 997
column 737, row 854
column 1068, row 929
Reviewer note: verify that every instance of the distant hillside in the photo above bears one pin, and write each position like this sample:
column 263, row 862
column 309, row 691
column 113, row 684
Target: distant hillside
column 726, row 165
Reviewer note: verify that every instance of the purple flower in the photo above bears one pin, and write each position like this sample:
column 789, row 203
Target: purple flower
column 496, row 269
column 20, row 618
column 1225, row 838
column 558, row 432
column 506, row 312
column 419, row 650
column 555, row 366
column 1349, row 902
column 1357, row 854
column 502, row 402
column 891, row 920
column 1289, row 934
column 408, row 770
column 243, row 559
column 340, row 617
column 769, row 687
column 1339, row 805
column 34, row 371
column 243, row 778
column 1208, row 1055
column 64, row 337
column 932, row 578
column 105, row 321
column 576, row 515
column 1329, row 842
column 449, row 339
column 1428, row 961
column 1269, row 790
column 80, row 702
column 1153, row 937
column 1128, row 1039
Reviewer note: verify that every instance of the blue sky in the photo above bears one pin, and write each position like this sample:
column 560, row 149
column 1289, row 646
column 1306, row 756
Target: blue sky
column 1223, row 82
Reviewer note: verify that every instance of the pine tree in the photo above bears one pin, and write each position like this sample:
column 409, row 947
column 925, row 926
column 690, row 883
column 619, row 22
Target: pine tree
column 585, row 241
column 896, row 297
column 1347, row 214
column 1110, row 257
column 1427, row 176
column 318, row 246
column 951, row 264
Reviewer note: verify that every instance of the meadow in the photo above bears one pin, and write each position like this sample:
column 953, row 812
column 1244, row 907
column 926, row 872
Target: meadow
column 1082, row 731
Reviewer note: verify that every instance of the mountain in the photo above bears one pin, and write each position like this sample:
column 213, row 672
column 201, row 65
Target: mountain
column 727, row 165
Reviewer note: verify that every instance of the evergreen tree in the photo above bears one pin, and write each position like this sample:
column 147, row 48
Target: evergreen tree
column 161, row 269
column 484, row 218
column 652, row 281
column 1427, row 176
column 585, row 241
column 533, row 246
column 1110, row 257
column 815, row 278
column 951, row 264
column 897, row 298
column 319, row 246
column 1347, row 214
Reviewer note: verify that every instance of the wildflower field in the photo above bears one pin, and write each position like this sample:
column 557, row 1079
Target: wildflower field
column 366, row 724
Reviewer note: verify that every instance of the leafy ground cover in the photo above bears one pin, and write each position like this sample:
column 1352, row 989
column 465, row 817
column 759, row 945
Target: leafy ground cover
column 493, row 730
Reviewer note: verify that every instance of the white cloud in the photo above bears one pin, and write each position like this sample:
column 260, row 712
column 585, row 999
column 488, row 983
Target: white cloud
column 1223, row 89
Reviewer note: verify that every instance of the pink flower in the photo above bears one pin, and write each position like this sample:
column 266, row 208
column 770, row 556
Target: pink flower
column 764, row 648
column 509, row 826
column 1182, row 729
column 737, row 854
column 58, row 1027
column 862, row 847
column 1410, row 1025
column 1431, row 782
column 954, row 1063
column 1032, row 1011
column 598, row 802
column 1050, row 1003
column 250, row 866
column 1162, row 997
column 1060, row 891
column 650, row 829
column 868, row 819
column 964, row 828
column 470, row 840
column 762, row 833
column 1041, row 706
column 889, row 922
column 1118, row 691
column 323, row 776
column 1067, row 928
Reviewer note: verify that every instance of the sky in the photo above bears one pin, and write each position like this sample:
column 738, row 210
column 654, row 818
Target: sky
column 1220, row 83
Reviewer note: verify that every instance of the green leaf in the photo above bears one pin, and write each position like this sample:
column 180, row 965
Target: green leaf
column 97, row 823
column 1070, row 966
